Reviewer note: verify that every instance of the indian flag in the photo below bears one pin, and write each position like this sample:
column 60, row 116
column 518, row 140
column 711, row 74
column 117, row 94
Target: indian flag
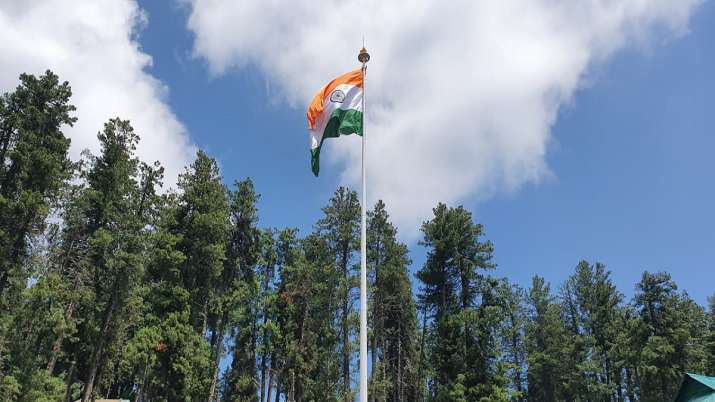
column 335, row 110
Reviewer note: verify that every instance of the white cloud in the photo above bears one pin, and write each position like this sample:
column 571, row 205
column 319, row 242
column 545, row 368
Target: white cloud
column 92, row 44
column 461, row 94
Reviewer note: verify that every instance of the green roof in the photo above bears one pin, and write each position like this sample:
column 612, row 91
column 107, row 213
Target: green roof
column 696, row 388
column 705, row 380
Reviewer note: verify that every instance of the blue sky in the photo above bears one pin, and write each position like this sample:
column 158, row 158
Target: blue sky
column 630, row 157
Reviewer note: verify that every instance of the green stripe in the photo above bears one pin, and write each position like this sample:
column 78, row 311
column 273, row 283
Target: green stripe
column 341, row 122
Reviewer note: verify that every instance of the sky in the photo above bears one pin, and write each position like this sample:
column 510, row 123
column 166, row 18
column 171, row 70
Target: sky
column 571, row 129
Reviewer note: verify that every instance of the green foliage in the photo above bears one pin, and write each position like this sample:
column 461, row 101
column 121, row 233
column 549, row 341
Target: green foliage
column 671, row 335
column 513, row 339
column 33, row 167
column 309, row 366
column 466, row 307
column 545, row 338
column 244, row 254
column 710, row 341
column 339, row 227
column 393, row 312
column 181, row 296
column 43, row 387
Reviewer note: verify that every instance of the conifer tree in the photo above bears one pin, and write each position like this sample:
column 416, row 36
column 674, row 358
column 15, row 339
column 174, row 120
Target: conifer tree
column 512, row 336
column 591, row 307
column 340, row 227
column 244, row 253
column 393, row 312
column 307, row 301
column 113, row 213
column 33, row 167
column 710, row 342
column 267, row 326
column 671, row 336
column 545, row 336
column 185, row 272
column 463, row 304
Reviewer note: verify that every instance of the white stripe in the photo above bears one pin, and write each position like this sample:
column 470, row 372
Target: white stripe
column 352, row 100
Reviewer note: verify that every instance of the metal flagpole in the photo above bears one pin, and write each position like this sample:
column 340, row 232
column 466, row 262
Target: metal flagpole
column 364, row 57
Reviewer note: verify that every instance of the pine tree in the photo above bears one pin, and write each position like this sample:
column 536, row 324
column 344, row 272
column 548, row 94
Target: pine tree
column 512, row 335
column 288, row 252
column 464, row 306
column 113, row 217
column 671, row 336
column 591, row 307
column 307, row 301
column 710, row 345
column 169, row 357
column 544, row 339
column 267, row 328
column 244, row 253
column 33, row 167
column 393, row 313
column 185, row 272
column 340, row 227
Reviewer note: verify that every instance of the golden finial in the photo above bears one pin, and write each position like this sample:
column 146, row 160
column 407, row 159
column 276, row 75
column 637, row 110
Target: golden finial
column 364, row 56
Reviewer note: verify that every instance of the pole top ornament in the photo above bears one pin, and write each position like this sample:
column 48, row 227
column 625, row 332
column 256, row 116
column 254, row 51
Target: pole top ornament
column 364, row 56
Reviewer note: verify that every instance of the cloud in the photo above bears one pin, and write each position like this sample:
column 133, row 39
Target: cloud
column 93, row 45
column 461, row 95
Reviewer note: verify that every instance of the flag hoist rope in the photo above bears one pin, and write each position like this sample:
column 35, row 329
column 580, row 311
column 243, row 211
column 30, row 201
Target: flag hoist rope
column 363, row 57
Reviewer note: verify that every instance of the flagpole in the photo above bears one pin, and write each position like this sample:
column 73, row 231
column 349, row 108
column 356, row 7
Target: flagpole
column 363, row 57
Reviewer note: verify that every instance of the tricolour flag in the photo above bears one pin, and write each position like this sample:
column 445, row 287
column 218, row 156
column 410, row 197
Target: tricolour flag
column 335, row 110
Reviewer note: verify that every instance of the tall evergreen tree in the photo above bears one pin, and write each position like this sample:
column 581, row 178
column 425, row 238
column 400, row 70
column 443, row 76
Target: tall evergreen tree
column 393, row 313
column 307, row 301
column 340, row 227
column 244, row 253
column 185, row 272
column 33, row 166
column 512, row 336
column 113, row 216
column 267, row 328
column 591, row 308
column 671, row 336
column 288, row 252
column 710, row 345
column 544, row 338
column 463, row 305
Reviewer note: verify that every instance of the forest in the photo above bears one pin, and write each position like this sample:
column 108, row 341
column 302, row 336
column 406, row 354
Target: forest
column 114, row 286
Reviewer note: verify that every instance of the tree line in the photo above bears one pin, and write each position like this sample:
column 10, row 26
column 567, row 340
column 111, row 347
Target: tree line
column 113, row 287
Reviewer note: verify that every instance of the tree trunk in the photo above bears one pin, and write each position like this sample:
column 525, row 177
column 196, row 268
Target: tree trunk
column 140, row 388
column 97, row 355
column 271, row 380
column 254, row 342
column 383, row 367
column 373, row 347
column 376, row 319
column 57, row 345
column 68, row 382
column 278, row 393
column 629, row 386
column 398, row 380
column 517, row 362
column 217, row 351
column 420, row 370
column 205, row 314
column 3, row 279
column 345, row 323
column 291, row 392
column 264, row 371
